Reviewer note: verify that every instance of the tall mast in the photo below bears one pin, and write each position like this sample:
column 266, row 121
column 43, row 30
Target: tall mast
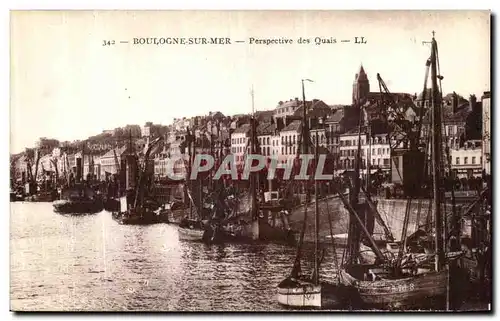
column 188, row 177
column 368, row 160
column 305, row 144
column 436, row 156
column 252, row 151
column 316, row 217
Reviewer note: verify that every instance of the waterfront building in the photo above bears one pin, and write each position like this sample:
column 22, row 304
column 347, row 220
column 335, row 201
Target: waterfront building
column 266, row 136
column 486, row 132
column 466, row 162
column 289, row 139
column 239, row 143
column 348, row 148
column 92, row 166
column 20, row 169
column 108, row 161
column 294, row 107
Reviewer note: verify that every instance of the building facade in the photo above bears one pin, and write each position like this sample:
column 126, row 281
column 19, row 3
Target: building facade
column 289, row 140
column 486, row 145
column 466, row 162
column 239, row 143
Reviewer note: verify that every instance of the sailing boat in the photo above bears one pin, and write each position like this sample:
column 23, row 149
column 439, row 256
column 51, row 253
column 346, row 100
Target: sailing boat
column 298, row 290
column 78, row 198
column 396, row 283
column 138, row 209
column 193, row 227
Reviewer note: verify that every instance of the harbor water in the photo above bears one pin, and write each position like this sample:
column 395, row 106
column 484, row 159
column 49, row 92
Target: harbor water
column 91, row 263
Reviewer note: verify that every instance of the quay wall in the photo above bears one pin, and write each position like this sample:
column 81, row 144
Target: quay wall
column 392, row 212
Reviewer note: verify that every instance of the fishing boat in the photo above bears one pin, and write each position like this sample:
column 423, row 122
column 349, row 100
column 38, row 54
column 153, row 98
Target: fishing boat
column 407, row 279
column 78, row 199
column 141, row 216
column 251, row 222
column 302, row 291
column 136, row 207
column 43, row 196
column 16, row 195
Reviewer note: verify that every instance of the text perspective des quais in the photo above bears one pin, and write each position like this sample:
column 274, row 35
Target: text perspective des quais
column 229, row 41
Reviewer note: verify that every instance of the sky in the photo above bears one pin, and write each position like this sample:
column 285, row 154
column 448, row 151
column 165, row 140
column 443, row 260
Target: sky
column 66, row 85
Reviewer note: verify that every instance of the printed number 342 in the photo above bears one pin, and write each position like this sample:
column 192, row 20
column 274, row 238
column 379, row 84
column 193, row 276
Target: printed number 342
column 108, row 42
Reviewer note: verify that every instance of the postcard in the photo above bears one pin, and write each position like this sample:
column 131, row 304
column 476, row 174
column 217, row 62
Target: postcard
column 258, row 161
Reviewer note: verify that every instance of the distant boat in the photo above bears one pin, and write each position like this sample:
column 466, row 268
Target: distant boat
column 149, row 213
column 43, row 196
column 199, row 231
column 78, row 199
column 17, row 195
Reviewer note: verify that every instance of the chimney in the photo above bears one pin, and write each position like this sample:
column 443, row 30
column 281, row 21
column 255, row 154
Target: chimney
column 280, row 103
column 454, row 102
column 296, row 99
column 472, row 102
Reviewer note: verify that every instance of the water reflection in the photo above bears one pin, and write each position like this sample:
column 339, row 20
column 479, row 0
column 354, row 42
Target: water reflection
column 92, row 263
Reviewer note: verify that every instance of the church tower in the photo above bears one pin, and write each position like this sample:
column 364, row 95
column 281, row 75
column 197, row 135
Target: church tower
column 360, row 87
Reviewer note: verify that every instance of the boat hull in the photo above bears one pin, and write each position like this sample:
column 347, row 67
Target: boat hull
column 42, row 197
column 307, row 295
column 137, row 219
column 192, row 235
column 398, row 293
column 77, row 207
column 112, row 205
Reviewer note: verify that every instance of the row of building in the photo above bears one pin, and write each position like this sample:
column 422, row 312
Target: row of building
column 335, row 128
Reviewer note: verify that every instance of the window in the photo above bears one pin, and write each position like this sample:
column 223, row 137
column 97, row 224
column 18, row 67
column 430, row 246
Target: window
column 268, row 150
column 386, row 161
column 283, row 150
column 294, row 138
column 466, row 159
column 373, row 152
column 473, row 160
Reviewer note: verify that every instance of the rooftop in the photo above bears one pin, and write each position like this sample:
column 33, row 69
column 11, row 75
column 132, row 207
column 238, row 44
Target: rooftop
column 119, row 151
column 293, row 126
column 243, row 129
